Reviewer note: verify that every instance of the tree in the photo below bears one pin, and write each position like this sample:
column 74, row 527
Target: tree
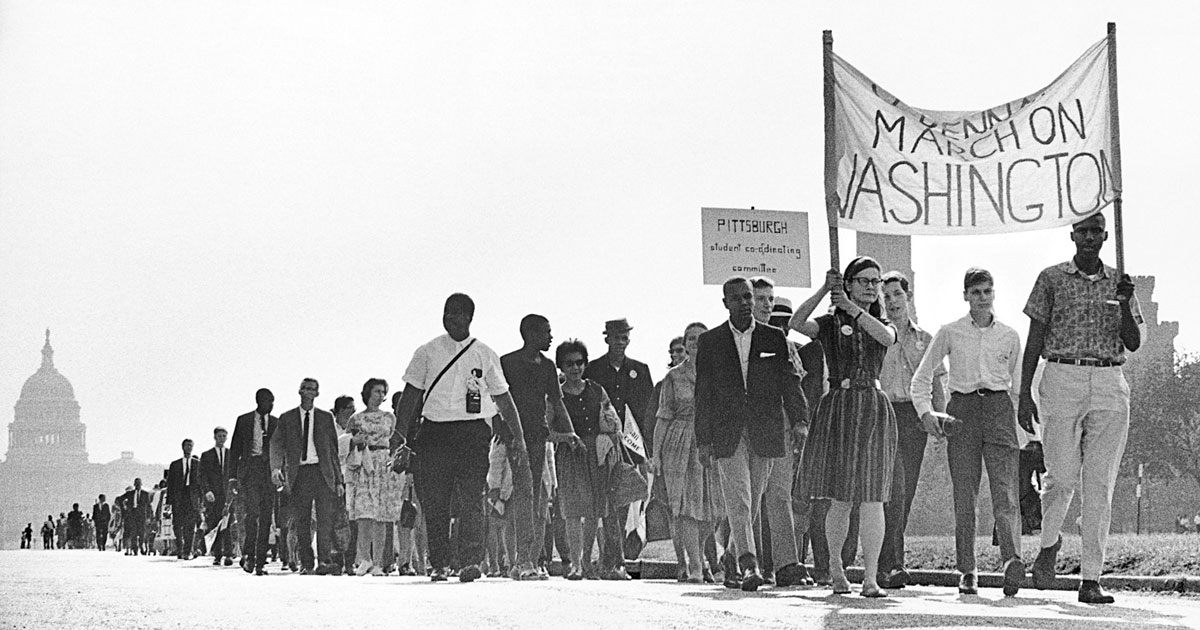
column 1164, row 427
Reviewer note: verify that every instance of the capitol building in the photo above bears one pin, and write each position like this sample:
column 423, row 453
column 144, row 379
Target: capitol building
column 47, row 468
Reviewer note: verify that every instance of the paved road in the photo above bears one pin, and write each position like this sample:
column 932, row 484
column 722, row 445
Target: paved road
column 88, row 589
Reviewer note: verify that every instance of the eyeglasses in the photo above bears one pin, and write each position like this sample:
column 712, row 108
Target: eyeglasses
column 869, row 282
column 578, row 363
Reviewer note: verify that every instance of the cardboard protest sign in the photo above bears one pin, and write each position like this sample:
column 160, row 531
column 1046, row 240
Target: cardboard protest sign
column 755, row 242
column 1037, row 162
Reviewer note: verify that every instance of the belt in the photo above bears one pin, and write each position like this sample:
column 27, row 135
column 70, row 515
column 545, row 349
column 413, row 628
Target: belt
column 981, row 392
column 1087, row 362
column 848, row 383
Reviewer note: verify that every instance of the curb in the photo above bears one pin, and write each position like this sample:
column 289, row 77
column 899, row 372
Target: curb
column 658, row 569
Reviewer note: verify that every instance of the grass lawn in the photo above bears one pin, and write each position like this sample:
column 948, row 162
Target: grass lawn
column 1150, row 554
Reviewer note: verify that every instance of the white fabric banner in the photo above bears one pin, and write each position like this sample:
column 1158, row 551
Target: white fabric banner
column 1038, row 162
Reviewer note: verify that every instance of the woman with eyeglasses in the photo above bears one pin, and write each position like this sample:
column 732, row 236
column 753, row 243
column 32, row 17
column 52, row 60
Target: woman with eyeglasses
column 583, row 473
column 692, row 488
column 852, row 439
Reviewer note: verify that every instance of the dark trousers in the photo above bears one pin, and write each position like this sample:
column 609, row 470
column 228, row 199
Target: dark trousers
column 102, row 536
column 529, row 505
column 212, row 516
column 348, row 556
column 47, row 541
column 183, row 522
column 451, row 477
column 967, row 452
column 910, row 452
column 556, row 536
column 612, row 552
column 258, row 500
column 310, row 490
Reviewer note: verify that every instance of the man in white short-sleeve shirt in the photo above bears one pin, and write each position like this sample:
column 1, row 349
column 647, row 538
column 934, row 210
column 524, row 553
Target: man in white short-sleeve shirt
column 453, row 385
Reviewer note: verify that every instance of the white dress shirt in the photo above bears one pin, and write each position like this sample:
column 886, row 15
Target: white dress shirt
column 742, row 341
column 312, row 429
column 980, row 358
column 447, row 401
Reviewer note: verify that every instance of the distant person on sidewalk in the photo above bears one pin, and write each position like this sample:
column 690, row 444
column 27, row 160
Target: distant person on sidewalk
column 183, row 494
column 48, row 533
column 27, row 536
column 214, row 481
column 1082, row 320
column 75, row 528
column 984, row 378
column 101, row 516
column 136, row 513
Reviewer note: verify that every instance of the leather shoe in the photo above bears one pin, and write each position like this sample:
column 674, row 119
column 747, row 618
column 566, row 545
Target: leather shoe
column 438, row 575
column 217, row 561
column 1014, row 574
column 822, row 577
column 792, row 575
column 307, row 571
column 470, row 573
column 896, row 578
column 1043, row 566
column 1091, row 593
column 329, row 568
column 247, row 568
column 751, row 580
column 260, row 570
column 228, row 561
column 968, row 584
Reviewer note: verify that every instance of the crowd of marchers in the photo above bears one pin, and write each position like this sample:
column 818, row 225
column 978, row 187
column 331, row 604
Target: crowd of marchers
column 757, row 449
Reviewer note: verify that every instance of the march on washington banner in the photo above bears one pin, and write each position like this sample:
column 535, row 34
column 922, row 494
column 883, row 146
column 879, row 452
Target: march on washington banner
column 1037, row 162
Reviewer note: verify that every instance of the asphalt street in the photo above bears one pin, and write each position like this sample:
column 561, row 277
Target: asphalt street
column 89, row 589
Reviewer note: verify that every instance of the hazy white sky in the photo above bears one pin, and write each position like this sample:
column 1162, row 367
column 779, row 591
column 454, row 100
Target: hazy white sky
column 205, row 198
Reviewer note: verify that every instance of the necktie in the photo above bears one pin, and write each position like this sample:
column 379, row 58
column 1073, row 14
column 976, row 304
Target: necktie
column 221, row 459
column 304, row 448
column 187, row 479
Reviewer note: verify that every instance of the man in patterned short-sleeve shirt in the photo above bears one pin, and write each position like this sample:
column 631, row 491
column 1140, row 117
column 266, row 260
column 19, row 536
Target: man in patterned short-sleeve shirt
column 1082, row 320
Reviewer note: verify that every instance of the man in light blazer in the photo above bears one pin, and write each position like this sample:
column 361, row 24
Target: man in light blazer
column 304, row 460
column 183, row 493
column 250, row 477
column 748, row 397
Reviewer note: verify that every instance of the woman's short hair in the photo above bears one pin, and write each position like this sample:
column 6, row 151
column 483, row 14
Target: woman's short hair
column 369, row 385
column 692, row 325
column 567, row 347
column 342, row 402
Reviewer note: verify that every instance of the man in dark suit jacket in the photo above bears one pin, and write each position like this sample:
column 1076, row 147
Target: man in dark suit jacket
column 748, row 397
column 628, row 384
column 101, row 515
column 214, row 477
column 183, row 494
column 134, row 516
column 250, row 469
column 304, row 460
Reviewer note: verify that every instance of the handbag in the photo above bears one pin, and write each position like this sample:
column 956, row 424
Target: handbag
column 626, row 484
column 408, row 511
column 402, row 459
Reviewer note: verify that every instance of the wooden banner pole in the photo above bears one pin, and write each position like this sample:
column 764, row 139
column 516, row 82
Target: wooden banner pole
column 1115, row 125
column 831, row 200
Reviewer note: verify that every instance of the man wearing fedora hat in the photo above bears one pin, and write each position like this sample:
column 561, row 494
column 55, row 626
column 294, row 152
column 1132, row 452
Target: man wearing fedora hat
column 628, row 384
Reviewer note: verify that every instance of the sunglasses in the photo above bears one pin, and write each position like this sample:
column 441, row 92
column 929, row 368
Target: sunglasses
column 576, row 363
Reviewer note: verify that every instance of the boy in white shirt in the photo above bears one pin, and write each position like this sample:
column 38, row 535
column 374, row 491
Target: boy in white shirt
column 984, row 379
